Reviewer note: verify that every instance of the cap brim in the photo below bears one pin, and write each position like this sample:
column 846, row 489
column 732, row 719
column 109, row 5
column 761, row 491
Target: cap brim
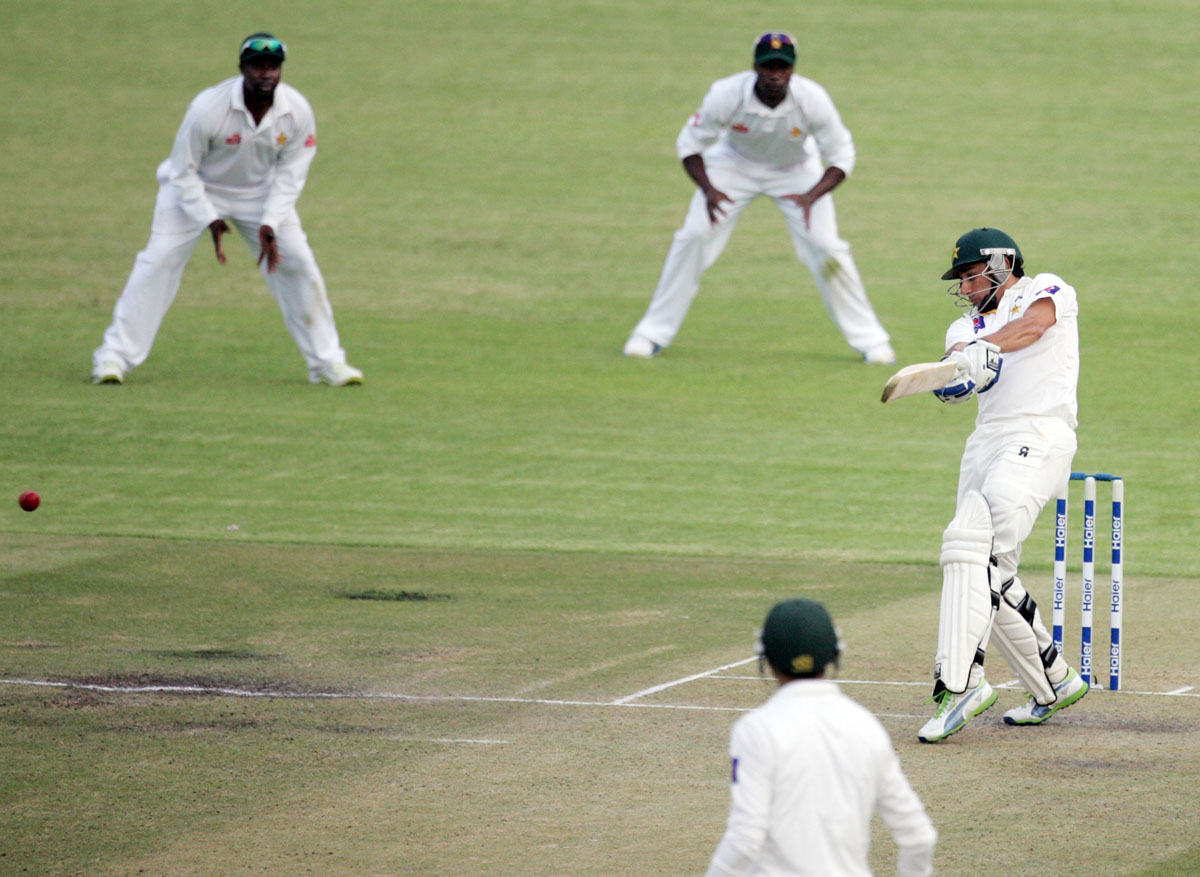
column 254, row 56
column 775, row 55
column 950, row 275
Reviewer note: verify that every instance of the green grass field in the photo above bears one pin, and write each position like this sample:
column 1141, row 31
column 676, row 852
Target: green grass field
column 413, row 627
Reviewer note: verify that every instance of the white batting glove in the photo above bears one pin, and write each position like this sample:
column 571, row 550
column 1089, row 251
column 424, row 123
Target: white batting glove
column 979, row 363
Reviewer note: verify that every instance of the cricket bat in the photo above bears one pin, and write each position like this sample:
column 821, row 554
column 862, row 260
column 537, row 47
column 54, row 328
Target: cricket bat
column 920, row 377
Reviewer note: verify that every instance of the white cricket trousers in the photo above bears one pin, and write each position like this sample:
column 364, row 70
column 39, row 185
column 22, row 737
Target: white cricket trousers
column 296, row 284
column 699, row 242
column 1018, row 465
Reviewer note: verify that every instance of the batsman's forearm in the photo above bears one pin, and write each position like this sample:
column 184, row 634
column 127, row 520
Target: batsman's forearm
column 1024, row 330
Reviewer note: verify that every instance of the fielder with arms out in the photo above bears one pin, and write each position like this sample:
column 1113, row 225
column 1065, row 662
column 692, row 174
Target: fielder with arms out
column 1017, row 350
column 768, row 132
column 811, row 766
column 240, row 160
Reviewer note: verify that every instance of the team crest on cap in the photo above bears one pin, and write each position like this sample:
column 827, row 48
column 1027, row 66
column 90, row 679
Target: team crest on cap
column 954, row 255
column 776, row 43
column 803, row 663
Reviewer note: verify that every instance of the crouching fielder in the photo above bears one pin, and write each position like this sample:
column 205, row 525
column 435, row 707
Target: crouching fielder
column 810, row 767
column 1017, row 348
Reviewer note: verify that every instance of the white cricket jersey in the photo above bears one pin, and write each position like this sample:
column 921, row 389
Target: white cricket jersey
column 220, row 152
column 804, row 127
column 809, row 768
column 1040, row 380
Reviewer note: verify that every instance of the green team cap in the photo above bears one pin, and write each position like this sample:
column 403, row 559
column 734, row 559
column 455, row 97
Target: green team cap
column 798, row 638
column 775, row 46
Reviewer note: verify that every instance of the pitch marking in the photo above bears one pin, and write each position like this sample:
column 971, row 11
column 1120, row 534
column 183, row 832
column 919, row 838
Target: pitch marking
column 621, row 701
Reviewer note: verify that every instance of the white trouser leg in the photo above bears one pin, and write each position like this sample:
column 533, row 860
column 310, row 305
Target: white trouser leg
column 833, row 269
column 695, row 247
column 151, row 287
column 299, row 290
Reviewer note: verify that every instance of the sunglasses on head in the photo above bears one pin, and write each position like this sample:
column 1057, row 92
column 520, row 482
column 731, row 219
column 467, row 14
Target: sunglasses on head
column 263, row 44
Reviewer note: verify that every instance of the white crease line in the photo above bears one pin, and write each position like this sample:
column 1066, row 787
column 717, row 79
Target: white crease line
column 452, row 740
column 334, row 695
column 656, row 688
column 833, row 679
column 455, row 698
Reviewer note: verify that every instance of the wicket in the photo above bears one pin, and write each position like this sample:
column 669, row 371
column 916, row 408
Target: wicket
column 1089, row 573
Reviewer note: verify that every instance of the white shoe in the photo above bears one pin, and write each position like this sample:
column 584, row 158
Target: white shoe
column 641, row 348
column 880, row 354
column 1071, row 689
column 108, row 372
column 340, row 374
column 955, row 710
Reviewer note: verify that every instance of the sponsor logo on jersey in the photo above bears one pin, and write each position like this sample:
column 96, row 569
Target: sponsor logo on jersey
column 311, row 140
column 1050, row 290
column 696, row 121
column 978, row 324
column 741, row 129
column 234, row 140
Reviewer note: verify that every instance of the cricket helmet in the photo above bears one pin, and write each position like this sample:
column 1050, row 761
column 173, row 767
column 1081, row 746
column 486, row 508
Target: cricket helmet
column 798, row 638
column 980, row 245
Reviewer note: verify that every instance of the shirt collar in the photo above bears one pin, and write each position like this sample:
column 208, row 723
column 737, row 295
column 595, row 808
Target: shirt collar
column 808, row 688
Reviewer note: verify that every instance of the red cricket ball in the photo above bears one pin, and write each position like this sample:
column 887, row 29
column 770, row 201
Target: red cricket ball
column 29, row 500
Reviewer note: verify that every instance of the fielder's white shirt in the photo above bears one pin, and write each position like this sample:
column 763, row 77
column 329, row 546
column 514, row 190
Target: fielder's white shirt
column 220, row 154
column 1040, row 380
column 809, row 768
column 804, row 128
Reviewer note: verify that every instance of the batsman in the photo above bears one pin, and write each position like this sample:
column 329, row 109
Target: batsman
column 1017, row 352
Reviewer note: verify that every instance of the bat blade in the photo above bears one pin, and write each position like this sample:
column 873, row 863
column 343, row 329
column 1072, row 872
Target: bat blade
column 920, row 377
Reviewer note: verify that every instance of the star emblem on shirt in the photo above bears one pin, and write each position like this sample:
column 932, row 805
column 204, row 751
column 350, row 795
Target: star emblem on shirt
column 281, row 139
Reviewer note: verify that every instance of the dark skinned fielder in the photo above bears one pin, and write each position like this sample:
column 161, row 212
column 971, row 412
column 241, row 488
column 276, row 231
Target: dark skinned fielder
column 240, row 161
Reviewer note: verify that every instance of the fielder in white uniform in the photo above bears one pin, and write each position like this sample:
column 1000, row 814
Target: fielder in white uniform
column 1017, row 348
column 764, row 132
column 242, row 154
column 811, row 766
